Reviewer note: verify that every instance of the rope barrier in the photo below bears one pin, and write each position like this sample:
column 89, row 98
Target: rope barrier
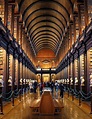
column 7, row 93
column 86, row 94
column 8, row 97
column 16, row 90
column 83, row 95
column 88, row 97
column 16, row 93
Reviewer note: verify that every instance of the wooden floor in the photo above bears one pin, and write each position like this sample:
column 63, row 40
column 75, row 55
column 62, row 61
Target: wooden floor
column 22, row 110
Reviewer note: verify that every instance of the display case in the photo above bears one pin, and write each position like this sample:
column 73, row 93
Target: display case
column 2, row 6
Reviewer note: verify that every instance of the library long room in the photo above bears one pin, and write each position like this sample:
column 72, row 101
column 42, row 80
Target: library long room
column 46, row 59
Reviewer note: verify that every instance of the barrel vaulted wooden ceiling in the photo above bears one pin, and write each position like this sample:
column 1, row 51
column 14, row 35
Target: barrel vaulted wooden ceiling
column 46, row 21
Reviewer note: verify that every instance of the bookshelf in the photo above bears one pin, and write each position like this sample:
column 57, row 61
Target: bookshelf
column 9, row 17
column 90, row 67
column 71, row 80
column 10, row 70
column 19, row 35
column 16, row 71
column 82, row 69
column 20, row 70
column 76, row 71
column 82, row 17
column 2, row 10
column 1, row 65
column 15, row 27
column 90, row 12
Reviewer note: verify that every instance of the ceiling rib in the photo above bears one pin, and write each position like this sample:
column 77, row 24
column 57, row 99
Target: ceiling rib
column 46, row 40
column 42, row 1
column 43, row 15
column 45, row 21
column 46, row 31
column 46, row 35
column 47, row 27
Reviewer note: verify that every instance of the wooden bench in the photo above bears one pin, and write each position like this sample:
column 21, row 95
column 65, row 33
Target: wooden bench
column 35, row 106
column 58, row 106
column 46, row 105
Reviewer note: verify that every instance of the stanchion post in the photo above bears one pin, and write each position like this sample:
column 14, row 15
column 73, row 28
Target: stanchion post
column 12, row 98
column 1, row 100
column 1, row 104
column 91, row 104
column 79, row 99
column 72, row 96
column 68, row 93
column 91, row 91
column 19, row 94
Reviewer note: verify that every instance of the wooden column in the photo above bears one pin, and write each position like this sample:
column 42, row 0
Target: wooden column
column 64, row 48
column 86, row 12
column 12, row 21
column 69, row 72
column 13, row 72
column 13, row 78
column 6, row 13
column 18, row 73
column 68, row 41
column 50, row 77
column 69, row 44
column 74, row 25
column 5, row 74
column 22, row 75
column 70, row 29
column 23, row 35
column 68, row 75
column 79, row 82
column 17, row 39
column 73, row 77
column 41, row 76
column 85, row 70
column 79, row 19
column 20, row 34
column 7, row 69
column 26, row 74
column 23, row 72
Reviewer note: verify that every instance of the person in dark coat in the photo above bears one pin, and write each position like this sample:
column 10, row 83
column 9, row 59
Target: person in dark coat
column 61, row 90
column 52, row 86
column 35, row 86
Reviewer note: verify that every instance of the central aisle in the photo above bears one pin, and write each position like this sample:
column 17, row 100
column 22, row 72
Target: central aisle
column 23, row 111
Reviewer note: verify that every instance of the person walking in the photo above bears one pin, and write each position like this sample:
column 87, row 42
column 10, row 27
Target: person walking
column 52, row 87
column 61, row 87
column 56, row 88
